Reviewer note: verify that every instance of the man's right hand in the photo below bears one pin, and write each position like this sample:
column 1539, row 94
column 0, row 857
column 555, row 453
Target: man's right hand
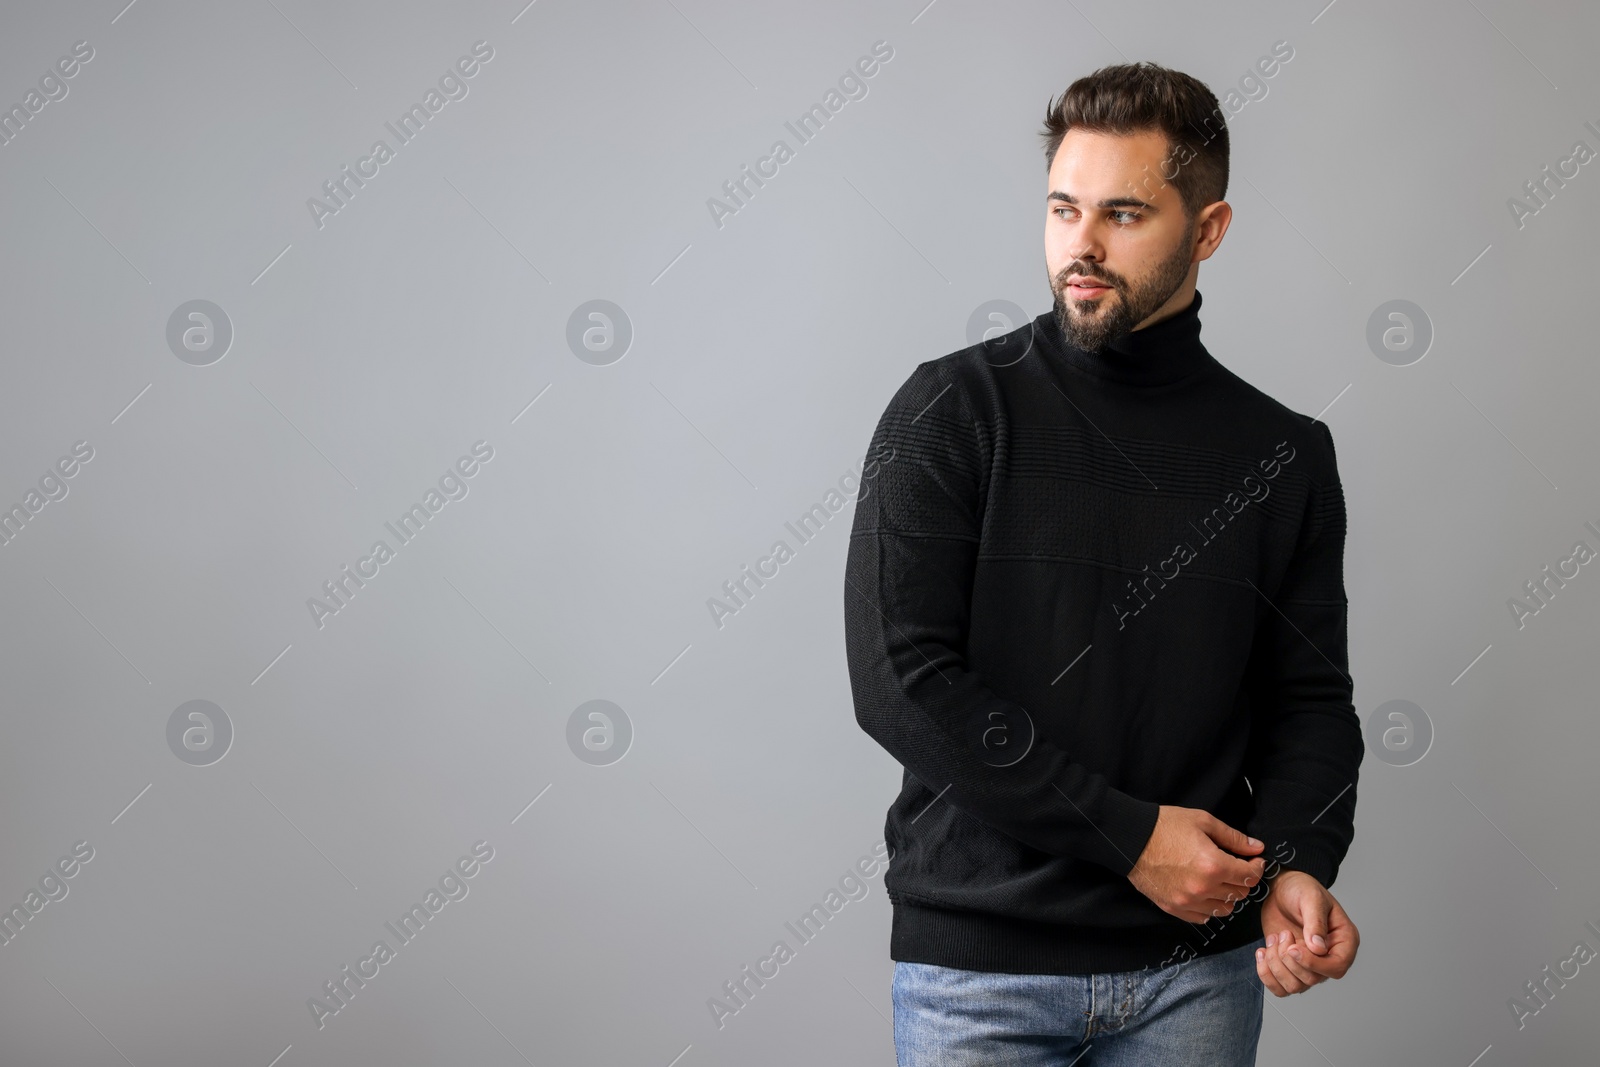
column 1185, row 870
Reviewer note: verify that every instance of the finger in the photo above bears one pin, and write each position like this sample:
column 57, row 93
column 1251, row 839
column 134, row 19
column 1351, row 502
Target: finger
column 1280, row 970
column 1231, row 839
column 1299, row 962
column 1341, row 954
column 1315, row 931
column 1187, row 912
column 1241, row 872
column 1221, row 899
column 1343, row 941
column 1341, row 931
column 1333, row 965
column 1214, row 904
column 1222, row 905
column 1269, row 981
column 1240, row 891
column 1286, row 978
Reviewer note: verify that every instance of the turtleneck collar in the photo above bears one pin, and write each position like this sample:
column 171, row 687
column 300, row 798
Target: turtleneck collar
column 1156, row 355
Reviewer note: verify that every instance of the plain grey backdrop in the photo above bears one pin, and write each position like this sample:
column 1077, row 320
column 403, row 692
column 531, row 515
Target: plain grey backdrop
column 233, row 456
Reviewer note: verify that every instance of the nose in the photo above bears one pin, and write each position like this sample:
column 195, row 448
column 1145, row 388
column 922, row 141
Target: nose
column 1089, row 232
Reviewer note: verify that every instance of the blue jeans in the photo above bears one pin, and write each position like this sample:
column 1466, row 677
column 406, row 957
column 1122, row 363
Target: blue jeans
column 1204, row 1012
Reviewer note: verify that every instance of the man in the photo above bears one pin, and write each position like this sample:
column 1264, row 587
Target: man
column 1095, row 606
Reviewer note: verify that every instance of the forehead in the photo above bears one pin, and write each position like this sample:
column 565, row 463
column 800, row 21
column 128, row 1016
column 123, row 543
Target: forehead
column 1089, row 163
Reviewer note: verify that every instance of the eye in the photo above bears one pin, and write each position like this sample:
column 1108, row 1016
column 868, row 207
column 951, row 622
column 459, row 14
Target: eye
column 1132, row 216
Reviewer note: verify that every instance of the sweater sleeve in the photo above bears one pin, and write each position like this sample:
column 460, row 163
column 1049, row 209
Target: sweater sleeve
column 908, row 596
column 1306, row 743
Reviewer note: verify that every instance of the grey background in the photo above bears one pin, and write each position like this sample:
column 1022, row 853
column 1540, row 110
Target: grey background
column 369, row 754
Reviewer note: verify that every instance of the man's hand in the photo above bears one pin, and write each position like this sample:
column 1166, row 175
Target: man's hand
column 1309, row 937
column 1186, row 874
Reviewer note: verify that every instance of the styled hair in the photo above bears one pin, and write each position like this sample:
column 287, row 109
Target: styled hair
column 1139, row 97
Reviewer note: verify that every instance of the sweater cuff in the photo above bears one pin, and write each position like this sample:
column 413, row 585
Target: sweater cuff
column 1313, row 862
column 1125, row 824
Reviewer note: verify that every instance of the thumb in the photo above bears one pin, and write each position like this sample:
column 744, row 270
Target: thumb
column 1231, row 839
column 1315, row 915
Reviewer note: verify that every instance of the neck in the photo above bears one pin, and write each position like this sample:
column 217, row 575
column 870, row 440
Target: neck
column 1163, row 351
column 1176, row 304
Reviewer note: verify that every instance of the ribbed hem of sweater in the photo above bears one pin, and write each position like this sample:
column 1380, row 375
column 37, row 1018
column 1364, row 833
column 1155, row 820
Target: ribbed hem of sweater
column 979, row 941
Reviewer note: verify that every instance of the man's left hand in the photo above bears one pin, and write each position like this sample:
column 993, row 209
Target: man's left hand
column 1309, row 937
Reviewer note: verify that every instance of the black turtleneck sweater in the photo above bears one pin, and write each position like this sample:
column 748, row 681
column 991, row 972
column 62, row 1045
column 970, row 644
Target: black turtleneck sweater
column 1081, row 585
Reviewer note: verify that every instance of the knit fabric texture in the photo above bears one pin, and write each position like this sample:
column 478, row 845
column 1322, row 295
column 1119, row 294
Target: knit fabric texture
column 1080, row 585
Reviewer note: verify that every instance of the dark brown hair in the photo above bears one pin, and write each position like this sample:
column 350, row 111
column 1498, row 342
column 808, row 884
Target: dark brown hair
column 1138, row 97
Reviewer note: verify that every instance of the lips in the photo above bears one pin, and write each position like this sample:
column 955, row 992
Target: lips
column 1086, row 286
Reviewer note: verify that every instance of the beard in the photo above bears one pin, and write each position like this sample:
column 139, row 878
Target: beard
column 1090, row 324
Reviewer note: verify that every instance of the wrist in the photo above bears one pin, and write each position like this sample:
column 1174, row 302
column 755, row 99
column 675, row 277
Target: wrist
column 1289, row 874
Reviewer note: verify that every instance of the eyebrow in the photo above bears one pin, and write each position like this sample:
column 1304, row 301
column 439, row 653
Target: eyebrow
column 1113, row 202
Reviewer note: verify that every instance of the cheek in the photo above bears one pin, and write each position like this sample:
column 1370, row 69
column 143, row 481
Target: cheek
column 1140, row 246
